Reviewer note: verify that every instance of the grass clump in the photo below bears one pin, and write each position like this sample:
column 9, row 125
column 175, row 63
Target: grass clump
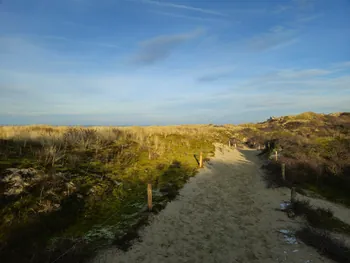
column 325, row 244
column 320, row 218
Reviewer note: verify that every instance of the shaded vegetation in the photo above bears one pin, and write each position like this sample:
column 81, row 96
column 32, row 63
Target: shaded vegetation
column 320, row 218
column 325, row 244
column 314, row 147
column 79, row 189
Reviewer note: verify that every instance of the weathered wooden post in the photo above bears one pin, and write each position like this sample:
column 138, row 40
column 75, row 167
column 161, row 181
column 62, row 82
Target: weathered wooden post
column 283, row 171
column 235, row 145
column 149, row 195
column 293, row 195
column 276, row 155
column 201, row 160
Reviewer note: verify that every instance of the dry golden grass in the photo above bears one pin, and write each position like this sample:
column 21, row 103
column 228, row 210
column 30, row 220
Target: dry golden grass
column 47, row 134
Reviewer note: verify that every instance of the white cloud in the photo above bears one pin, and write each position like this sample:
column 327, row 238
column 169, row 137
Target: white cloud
column 113, row 99
column 291, row 80
column 304, row 4
column 309, row 18
column 216, row 73
column 277, row 29
column 195, row 18
column 341, row 65
column 282, row 8
column 306, row 73
column 276, row 37
column 181, row 6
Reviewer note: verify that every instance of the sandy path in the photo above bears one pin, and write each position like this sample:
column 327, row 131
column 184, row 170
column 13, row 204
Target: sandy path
column 224, row 214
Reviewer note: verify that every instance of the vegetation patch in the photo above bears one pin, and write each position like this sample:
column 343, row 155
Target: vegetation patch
column 67, row 191
column 325, row 244
column 320, row 218
column 315, row 149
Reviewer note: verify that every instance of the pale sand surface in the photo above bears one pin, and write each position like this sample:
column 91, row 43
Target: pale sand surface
column 223, row 214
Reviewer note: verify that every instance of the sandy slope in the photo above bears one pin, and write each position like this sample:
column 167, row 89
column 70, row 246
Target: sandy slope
column 224, row 214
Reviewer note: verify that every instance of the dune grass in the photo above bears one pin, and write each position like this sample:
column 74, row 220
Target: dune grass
column 315, row 149
column 62, row 185
column 88, row 185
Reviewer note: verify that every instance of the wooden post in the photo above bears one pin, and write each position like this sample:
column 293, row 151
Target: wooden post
column 284, row 171
column 201, row 160
column 276, row 154
column 293, row 195
column 235, row 145
column 149, row 194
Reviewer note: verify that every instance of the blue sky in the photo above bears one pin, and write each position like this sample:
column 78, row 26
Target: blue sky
column 143, row 62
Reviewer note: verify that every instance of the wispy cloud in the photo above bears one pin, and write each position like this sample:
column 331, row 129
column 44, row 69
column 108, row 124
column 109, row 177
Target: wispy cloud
column 268, row 104
column 306, row 73
column 315, row 81
column 184, row 7
column 195, row 18
column 216, row 75
column 271, row 95
column 84, row 42
column 304, row 4
column 341, row 65
column 158, row 48
column 213, row 77
column 309, row 18
column 281, row 9
column 79, row 25
column 57, row 99
column 276, row 37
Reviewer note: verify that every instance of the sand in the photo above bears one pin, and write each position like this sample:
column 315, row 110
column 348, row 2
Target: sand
column 223, row 214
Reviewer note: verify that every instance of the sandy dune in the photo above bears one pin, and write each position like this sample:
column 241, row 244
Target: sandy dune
column 224, row 214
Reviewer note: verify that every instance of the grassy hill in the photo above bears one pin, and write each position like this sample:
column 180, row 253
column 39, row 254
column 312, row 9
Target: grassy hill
column 314, row 147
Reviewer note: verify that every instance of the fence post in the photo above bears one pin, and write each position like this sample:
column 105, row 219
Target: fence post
column 293, row 195
column 276, row 154
column 235, row 145
column 284, row 171
column 149, row 195
column 201, row 160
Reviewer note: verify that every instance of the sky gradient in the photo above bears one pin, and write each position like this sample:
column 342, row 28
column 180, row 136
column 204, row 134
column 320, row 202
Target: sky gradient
column 148, row 62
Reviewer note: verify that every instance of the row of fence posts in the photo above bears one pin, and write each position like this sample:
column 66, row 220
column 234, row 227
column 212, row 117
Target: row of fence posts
column 283, row 167
column 229, row 144
column 293, row 192
column 149, row 185
column 283, row 170
column 283, row 173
